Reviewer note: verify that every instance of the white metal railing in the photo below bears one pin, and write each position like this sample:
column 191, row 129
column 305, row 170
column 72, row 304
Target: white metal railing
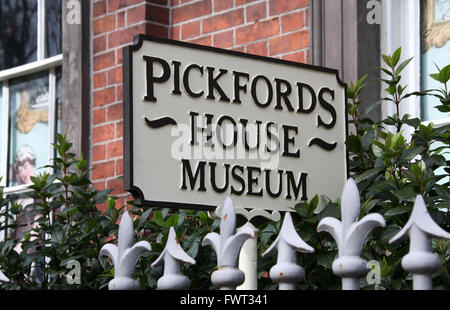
column 350, row 235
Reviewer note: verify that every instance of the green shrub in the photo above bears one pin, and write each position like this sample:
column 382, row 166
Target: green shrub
column 389, row 170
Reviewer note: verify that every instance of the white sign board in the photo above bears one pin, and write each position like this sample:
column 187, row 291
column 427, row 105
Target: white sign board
column 202, row 123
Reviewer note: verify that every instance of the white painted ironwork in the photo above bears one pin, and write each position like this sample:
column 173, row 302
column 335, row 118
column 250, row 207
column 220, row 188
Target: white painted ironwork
column 227, row 246
column 248, row 261
column 350, row 236
column 286, row 272
column 171, row 257
column 125, row 256
column 420, row 261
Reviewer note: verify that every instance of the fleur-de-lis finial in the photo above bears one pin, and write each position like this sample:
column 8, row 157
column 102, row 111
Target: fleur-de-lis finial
column 420, row 261
column 350, row 236
column 171, row 257
column 286, row 272
column 227, row 246
column 125, row 256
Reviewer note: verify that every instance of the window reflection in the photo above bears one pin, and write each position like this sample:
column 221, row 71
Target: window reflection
column 28, row 140
column 53, row 27
column 18, row 32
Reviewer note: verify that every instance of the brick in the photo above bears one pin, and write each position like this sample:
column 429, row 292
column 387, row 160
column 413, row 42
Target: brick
column 297, row 57
column 98, row 152
column 115, row 76
column 99, row 8
column 115, row 149
column 124, row 36
column 281, row 6
column 99, row 44
column 220, row 5
column 119, row 130
column 115, row 112
column 99, row 186
column 175, row 33
column 158, row 31
column 206, row 40
column 190, row 30
column 288, row 43
column 256, row 12
column 241, row 2
column 224, row 39
column 114, row 5
column 99, row 116
column 119, row 167
column 104, row 24
column 161, row 2
column 292, row 21
column 104, row 61
column 117, row 189
column 119, row 93
column 103, row 170
column 259, row 48
column 121, row 19
column 103, row 133
column 191, row 11
column 104, row 96
column 99, row 80
column 148, row 12
column 223, row 21
column 119, row 54
column 257, row 31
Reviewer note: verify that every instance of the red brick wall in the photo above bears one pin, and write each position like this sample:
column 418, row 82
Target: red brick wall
column 275, row 28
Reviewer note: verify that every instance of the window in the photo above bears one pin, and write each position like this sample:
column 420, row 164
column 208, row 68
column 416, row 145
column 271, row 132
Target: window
column 30, row 75
column 435, row 52
column 30, row 89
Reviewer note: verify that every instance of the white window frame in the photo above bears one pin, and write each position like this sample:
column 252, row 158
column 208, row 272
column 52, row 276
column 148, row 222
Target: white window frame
column 400, row 26
column 41, row 64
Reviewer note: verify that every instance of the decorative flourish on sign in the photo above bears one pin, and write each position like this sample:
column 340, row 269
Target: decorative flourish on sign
column 325, row 145
column 160, row 122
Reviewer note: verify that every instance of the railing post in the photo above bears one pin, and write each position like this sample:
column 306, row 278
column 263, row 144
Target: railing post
column 421, row 262
column 350, row 236
column 286, row 272
column 171, row 257
column 227, row 246
column 248, row 261
column 124, row 256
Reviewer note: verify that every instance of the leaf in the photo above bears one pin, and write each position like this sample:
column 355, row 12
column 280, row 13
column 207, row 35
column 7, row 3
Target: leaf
column 353, row 144
column 403, row 65
column 398, row 211
column 387, row 59
column 405, row 194
column 396, row 57
column 326, row 260
column 369, row 173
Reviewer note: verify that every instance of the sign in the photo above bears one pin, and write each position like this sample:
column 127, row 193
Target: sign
column 202, row 123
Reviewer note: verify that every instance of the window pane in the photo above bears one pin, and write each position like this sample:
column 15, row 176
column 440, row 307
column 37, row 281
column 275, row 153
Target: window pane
column 436, row 51
column 18, row 32
column 53, row 27
column 29, row 101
